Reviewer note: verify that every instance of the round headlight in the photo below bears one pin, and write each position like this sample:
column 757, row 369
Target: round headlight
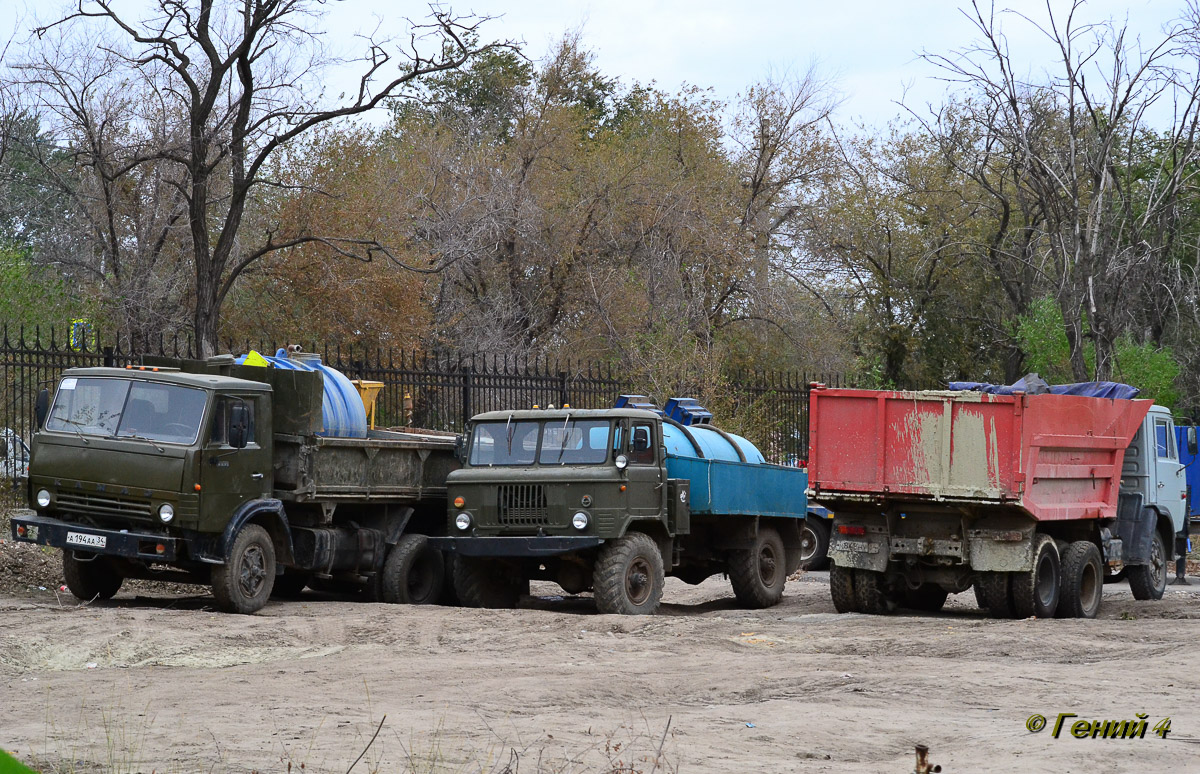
column 166, row 513
column 43, row 498
column 622, row 462
column 463, row 521
column 579, row 520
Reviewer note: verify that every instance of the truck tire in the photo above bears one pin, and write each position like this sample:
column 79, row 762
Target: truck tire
column 993, row 591
column 928, row 597
column 1082, row 581
column 449, row 596
column 758, row 574
column 413, row 572
column 1149, row 581
column 243, row 584
column 841, row 588
column 628, row 576
column 1035, row 592
column 872, row 594
column 94, row 579
column 487, row 583
column 814, row 544
column 290, row 585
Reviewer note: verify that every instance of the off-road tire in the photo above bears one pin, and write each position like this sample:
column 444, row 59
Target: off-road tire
column 993, row 591
column 449, row 595
column 758, row 574
column 841, row 588
column 413, row 572
column 814, row 544
column 872, row 594
column 1035, row 592
column 488, row 583
column 1082, row 581
column 243, row 584
column 290, row 585
column 1149, row 581
column 95, row 579
column 628, row 576
column 928, row 597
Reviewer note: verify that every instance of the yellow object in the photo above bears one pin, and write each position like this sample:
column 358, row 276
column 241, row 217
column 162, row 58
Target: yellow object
column 255, row 359
column 369, row 392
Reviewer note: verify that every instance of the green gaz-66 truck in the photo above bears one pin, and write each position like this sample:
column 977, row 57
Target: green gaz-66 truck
column 250, row 478
column 611, row 500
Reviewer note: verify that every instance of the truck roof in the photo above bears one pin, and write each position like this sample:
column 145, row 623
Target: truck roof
column 202, row 381
column 540, row 414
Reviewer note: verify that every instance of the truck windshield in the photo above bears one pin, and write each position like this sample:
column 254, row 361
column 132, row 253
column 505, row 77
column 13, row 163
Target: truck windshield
column 562, row 442
column 127, row 408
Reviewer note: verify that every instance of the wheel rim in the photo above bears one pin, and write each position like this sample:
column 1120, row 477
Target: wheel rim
column 637, row 581
column 1047, row 583
column 1091, row 586
column 252, row 571
column 808, row 544
column 420, row 580
column 1158, row 565
column 768, row 565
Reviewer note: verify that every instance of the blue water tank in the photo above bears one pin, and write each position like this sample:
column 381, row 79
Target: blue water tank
column 706, row 441
column 342, row 411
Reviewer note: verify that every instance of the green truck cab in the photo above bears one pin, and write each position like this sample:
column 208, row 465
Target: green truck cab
column 217, row 474
column 612, row 500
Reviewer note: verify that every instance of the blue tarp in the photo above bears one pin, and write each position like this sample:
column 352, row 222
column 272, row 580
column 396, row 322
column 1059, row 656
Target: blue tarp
column 1032, row 384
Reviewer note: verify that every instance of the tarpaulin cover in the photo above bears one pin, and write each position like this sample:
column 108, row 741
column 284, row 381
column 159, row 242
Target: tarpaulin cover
column 1032, row 384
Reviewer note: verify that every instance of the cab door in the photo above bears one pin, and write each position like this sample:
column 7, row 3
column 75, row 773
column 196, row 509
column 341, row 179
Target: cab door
column 643, row 448
column 1171, row 485
column 229, row 476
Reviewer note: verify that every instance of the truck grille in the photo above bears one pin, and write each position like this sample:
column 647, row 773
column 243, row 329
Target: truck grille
column 523, row 504
column 86, row 503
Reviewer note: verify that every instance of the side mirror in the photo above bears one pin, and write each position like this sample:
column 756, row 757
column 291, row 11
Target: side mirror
column 460, row 449
column 239, row 425
column 1191, row 440
column 42, row 407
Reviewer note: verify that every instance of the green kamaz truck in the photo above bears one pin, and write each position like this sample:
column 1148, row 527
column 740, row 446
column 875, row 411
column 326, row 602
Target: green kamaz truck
column 613, row 500
column 253, row 479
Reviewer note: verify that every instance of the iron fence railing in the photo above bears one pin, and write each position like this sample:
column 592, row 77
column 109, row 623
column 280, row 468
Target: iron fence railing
column 434, row 390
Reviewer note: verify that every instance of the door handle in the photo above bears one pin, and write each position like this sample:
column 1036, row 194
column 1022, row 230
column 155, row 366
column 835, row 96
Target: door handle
column 258, row 477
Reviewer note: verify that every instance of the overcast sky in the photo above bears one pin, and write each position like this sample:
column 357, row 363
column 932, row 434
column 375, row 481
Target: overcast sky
column 869, row 49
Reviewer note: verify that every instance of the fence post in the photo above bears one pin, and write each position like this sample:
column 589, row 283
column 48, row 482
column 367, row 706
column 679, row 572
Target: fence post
column 466, row 394
column 109, row 359
column 563, row 397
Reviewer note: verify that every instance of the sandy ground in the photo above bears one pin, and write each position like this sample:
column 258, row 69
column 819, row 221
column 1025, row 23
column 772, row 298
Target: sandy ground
column 154, row 681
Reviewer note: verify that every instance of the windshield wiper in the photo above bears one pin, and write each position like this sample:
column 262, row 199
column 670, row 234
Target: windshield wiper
column 75, row 425
column 137, row 437
column 562, row 442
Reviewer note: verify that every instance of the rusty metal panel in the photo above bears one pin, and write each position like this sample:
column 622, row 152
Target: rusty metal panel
column 1054, row 456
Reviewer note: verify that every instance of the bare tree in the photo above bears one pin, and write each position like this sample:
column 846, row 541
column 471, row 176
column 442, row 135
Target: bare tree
column 224, row 88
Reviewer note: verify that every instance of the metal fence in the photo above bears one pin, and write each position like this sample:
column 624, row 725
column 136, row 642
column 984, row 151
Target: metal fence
column 432, row 390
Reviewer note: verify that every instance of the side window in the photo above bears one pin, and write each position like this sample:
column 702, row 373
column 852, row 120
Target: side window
column 641, row 445
column 1164, row 439
column 219, row 433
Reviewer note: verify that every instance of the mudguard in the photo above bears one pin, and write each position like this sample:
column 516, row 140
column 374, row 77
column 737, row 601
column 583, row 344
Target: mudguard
column 249, row 510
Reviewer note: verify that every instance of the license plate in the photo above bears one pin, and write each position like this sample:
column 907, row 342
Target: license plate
column 859, row 546
column 91, row 541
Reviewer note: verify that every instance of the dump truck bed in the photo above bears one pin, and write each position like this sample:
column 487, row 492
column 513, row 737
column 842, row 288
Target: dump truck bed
column 722, row 487
column 386, row 465
column 1053, row 456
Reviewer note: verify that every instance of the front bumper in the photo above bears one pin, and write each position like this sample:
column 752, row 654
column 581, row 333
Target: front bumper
column 131, row 545
column 514, row 546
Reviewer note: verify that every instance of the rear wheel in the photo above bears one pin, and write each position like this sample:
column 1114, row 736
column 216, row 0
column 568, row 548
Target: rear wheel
column 872, row 593
column 994, row 594
column 1082, row 581
column 628, row 576
column 758, row 574
column 1149, row 581
column 490, row 583
column 413, row 572
column 841, row 588
column 243, row 584
column 1035, row 592
column 91, row 579
column 928, row 597
column 814, row 544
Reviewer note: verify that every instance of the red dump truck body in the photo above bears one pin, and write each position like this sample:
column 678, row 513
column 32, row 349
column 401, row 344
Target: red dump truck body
column 1053, row 456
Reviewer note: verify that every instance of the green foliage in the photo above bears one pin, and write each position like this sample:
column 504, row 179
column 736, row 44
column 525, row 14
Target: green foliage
column 1044, row 340
column 1153, row 369
column 32, row 296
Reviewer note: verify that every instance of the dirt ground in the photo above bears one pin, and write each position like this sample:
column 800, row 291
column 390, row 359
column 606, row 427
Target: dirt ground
column 157, row 680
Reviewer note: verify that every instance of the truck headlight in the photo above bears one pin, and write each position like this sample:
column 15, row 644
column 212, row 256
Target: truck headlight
column 463, row 521
column 43, row 498
column 621, row 462
column 166, row 513
column 579, row 520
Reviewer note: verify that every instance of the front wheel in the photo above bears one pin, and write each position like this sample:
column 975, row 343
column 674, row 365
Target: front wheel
column 758, row 574
column 413, row 572
column 1149, row 581
column 243, row 584
column 628, row 576
column 92, row 579
column 814, row 544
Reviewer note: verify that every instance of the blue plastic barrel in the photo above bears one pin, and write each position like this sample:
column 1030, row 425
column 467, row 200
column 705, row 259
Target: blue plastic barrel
column 710, row 444
column 342, row 412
